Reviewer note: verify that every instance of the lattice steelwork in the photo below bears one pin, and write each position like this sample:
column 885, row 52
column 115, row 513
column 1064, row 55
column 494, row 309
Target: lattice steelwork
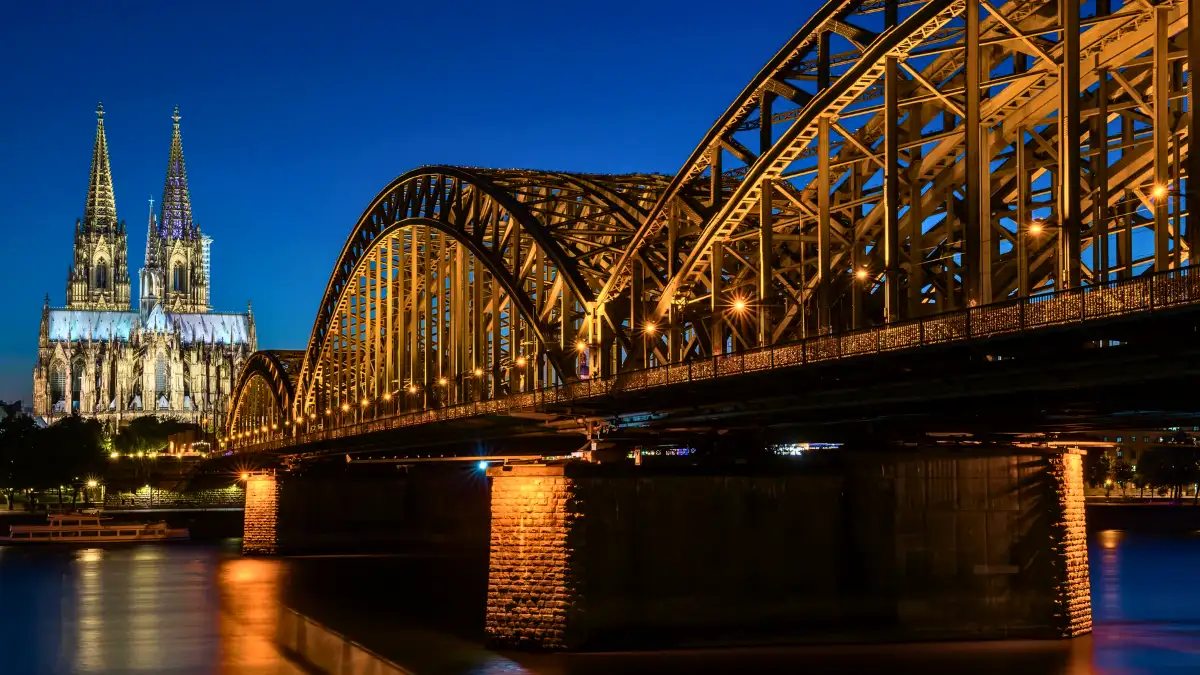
column 263, row 394
column 895, row 160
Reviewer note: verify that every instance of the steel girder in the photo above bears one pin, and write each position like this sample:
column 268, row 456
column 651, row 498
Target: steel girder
column 893, row 160
column 921, row 170
column 264, row 392
column 463, row 284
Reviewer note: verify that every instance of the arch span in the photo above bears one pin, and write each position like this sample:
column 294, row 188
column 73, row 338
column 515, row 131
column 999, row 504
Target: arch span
column 463, row 284
column 264, row 393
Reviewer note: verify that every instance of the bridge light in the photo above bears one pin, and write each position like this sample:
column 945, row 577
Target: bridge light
column 264, row 428
column 442, row 381
column 581, row 346
column 345, row 407
column 92, row 483
column 1035, row 227
column 739, row 305
column 1159, row 191
column 521, row 361
column 478, row 372
column 412, row 388
column 114, row 455
column 245, row 475
column 287, row 423
column 274, row 427
column 327, row 412
column 482, row 465
column 365, row 401
column 313, row 415
column 861, row 273
column 387, row 396
column 650, row 328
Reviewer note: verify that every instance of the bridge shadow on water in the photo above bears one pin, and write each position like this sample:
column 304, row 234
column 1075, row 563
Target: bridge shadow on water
column 425, row 615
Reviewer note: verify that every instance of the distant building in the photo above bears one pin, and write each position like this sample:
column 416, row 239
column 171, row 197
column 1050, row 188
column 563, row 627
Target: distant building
column 1130, row 445
column 170, row 355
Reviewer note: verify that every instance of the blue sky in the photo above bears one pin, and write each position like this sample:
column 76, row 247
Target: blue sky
column 295, row 114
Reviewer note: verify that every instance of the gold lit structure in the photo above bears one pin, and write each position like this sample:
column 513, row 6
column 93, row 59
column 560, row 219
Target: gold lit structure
column 895, row 166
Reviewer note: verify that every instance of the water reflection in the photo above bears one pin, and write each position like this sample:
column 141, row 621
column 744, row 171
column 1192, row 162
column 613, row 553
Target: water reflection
column 204, row 609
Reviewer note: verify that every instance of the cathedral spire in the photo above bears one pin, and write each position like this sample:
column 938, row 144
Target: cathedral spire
column 176, row 219
column 101, row 210
column 151, row 238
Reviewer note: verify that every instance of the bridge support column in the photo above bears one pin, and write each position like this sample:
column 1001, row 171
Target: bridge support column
column 260, row 532
column 925, row 545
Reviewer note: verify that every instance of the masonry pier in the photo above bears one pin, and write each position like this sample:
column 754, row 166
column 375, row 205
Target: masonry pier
column 850, row 546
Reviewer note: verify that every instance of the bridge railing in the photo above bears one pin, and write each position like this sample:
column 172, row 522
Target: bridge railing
column 1162, row 290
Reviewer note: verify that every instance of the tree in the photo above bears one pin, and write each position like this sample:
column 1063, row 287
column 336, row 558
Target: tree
column 1170, row 466
column 148, row 434
column 1099, row 468
column 17, row 439
column 1122, row 473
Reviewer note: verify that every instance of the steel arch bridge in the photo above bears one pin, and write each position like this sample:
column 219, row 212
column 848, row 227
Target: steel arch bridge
column 893, row 161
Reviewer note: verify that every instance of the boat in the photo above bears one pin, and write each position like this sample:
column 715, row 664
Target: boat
column 86, row 528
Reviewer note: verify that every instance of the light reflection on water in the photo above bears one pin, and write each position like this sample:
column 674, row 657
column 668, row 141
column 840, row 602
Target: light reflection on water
column 204, row 609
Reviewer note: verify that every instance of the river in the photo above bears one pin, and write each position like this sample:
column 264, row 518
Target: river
column 202, row 608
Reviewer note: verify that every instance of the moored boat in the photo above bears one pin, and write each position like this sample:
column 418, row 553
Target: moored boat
column 82, row 528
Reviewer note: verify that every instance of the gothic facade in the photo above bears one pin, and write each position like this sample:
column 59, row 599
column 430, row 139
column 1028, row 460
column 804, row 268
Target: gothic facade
column 170, row 355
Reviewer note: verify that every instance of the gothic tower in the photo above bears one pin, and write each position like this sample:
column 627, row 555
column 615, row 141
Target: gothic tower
column 99, row 276
column 175, row 272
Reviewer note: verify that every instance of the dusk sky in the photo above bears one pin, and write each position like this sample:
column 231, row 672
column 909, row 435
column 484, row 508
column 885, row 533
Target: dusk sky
column 296, row 114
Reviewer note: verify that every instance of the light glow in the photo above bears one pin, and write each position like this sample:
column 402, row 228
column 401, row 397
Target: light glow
column 739, row 305
column 861, row 273
column 114, row 455
column 1159, row 192
column 345, row 407
column 650, row 328
column 521, row 361
column 1035, row 227
column 92, row 483
column 442, row 381
column 482, row 465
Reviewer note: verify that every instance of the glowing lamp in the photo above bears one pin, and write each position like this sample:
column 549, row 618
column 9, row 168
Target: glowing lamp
column 482, row 466
column 387, row 396
column 92, row 483
column 114, row 455
column 245, row 476
column 345, row 407
column 860, row 273
column 739, row 305
column 1035, row 227
column 442, row 381
column 412, row 388
column 365, row 401
column 1159, row 191
column 478, row 372
column 650, row 328
column 581, row 346
column 521, row 361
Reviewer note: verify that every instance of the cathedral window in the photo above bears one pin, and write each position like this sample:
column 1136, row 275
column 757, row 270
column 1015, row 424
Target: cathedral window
column 76, row 384
column 160, row 378
column 178, row 279
column 102, row 275
column 58, row 383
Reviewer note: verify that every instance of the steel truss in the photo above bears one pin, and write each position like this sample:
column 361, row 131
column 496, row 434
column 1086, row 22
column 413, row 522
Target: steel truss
column 892, row 161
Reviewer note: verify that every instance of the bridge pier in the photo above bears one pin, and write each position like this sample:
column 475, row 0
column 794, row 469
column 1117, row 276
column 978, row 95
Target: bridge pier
column 425, row 509
column 922, row 545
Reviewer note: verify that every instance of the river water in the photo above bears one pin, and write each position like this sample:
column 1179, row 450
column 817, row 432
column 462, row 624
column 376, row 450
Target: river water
column 204, row 609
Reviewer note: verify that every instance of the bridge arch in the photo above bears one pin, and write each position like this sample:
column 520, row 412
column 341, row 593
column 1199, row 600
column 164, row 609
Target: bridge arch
column 264, row 392
column 895, row 160
column 462, row 284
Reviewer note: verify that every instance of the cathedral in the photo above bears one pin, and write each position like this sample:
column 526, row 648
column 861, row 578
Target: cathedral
column 171, row 355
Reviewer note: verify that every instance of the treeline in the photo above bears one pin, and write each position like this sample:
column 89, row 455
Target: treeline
column 1166, row 469
column 70, row 452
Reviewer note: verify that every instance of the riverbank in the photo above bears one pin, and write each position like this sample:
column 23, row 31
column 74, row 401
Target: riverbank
column 1153, row 516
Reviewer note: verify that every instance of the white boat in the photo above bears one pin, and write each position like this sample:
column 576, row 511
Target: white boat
column 80, row 528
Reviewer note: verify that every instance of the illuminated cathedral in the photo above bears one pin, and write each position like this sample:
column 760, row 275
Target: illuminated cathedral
column 169, row 355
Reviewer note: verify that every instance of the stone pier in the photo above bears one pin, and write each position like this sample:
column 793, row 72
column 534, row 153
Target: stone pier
column 928, row 545
column 434, row 509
